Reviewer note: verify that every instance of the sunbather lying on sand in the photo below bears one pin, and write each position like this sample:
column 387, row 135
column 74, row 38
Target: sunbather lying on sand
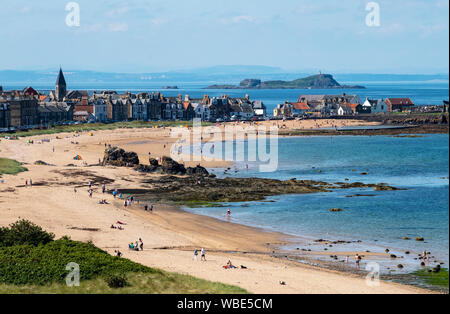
column 229, row 265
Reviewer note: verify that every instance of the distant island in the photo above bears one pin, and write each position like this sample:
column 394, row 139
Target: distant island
column 170, row 87
column 319, row 81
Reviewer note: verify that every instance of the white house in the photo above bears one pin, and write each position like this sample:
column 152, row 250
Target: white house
column 375, row 106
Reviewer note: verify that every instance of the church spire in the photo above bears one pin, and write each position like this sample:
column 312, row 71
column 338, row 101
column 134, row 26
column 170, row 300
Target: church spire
column 60, row 88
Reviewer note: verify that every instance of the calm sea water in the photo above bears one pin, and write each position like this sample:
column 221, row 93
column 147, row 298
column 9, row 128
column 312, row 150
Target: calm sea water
column 419, row 165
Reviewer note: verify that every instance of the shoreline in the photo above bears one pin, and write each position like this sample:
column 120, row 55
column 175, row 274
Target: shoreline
column 56, row 208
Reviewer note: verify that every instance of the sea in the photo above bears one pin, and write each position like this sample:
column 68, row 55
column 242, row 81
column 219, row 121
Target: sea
column 371, row 220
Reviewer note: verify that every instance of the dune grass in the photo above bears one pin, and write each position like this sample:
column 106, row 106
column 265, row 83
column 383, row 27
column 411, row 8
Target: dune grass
column 9, row 166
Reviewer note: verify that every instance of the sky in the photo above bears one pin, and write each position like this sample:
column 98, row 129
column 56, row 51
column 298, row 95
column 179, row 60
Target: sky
column 163, row 35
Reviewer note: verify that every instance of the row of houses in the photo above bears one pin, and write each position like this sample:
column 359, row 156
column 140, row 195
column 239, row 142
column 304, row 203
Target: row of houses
column 29, row 108
column 340, row 105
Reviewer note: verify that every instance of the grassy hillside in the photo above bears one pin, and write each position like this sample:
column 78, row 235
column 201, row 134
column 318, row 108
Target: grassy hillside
column 32, row 262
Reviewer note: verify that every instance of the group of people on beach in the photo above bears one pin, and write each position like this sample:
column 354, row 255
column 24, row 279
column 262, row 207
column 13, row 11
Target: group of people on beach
column 136, row 246
column 203, row 255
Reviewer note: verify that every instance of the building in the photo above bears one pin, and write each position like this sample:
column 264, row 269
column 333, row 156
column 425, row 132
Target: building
column 23, row 110
column 100, row 109
column 53, row 113
column 219, row 107
column 399, row 104
column 5, row 116
column 259, row 109
column 300, row 109
column 61, row 87
column 346, row 110
column 139, row 108
column 374, row 106
column 283, row 110
column 328, row 104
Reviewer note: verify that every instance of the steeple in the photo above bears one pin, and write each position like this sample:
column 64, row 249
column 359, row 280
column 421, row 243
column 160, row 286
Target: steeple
column 60, row 88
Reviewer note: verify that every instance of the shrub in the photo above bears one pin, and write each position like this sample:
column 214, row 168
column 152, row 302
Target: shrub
column 24, row 232
column 44, row 264
column 116, row 281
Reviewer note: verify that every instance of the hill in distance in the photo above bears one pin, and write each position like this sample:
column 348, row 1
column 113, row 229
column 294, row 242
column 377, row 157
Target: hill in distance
column 319, row 81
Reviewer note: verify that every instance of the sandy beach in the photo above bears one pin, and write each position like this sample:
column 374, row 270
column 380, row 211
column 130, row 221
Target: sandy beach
column 169, row 234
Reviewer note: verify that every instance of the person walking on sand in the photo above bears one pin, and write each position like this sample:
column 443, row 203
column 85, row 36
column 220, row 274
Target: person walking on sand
column 141, row 244
column 195, row 255
column 357, row 260
column 103, row 189
column 203, row 258
column 31, row 182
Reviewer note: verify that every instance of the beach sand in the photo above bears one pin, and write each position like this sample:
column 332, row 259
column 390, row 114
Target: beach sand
column 169, row 234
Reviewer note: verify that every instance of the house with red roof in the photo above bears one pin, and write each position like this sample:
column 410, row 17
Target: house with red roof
column 300, row 108
column 399, row 104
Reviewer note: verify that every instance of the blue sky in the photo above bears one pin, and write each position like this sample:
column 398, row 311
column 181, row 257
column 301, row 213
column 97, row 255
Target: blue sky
column 160, row 35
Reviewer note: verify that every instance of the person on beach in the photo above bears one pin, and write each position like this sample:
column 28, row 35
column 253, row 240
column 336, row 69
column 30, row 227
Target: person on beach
column 31, row 182
column 103, row 189
column 90, row 184
column 424, row 256
column 145, row 207
column 151, row 208
column 228, row 213
column 195, row 255
column 75, row 190
column 203, row 258
column 90, row 193
column 141, row 244
column 357, row 260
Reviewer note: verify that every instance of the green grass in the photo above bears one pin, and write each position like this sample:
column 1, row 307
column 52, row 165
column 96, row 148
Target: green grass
column 103, row 126
column 439, row 279
column 9, row 166
column 32, row 262
column 138, row 283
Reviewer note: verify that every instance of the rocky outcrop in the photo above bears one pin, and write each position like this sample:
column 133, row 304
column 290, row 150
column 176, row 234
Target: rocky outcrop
column 118, row 157
column 197, row 171
column 191, row 188
column 170, row 166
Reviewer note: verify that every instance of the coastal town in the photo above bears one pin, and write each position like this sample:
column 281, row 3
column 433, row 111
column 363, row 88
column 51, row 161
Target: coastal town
column 29, row 108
